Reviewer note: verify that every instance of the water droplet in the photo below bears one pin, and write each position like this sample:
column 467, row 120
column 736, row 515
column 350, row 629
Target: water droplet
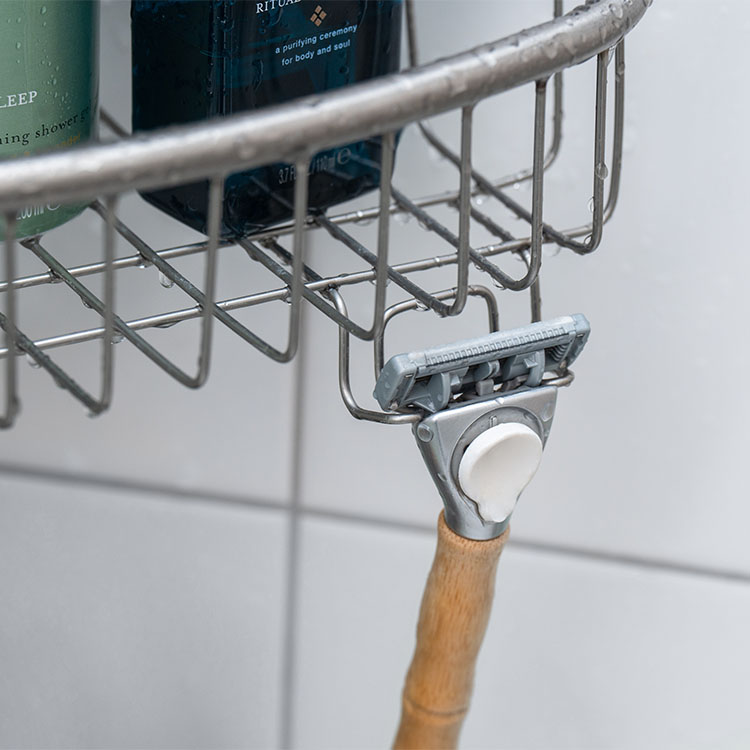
column 402, row 217
column 43, row 9
column 421, row 306
column 591, row 205
column 32, row 362
column 362, row 219
column 516, row 186
column 18, row 45
column 568, row 42
column 86, row 304
column 165, row 281
column 480, row 199
column 166, row 325
column 551, row 49
column 602, row 171
column 117, row 337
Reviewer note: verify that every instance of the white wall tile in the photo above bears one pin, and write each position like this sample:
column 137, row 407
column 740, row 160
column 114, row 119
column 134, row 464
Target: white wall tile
column 586, row 655
column 359, row 592
column 648, row 448
column 577, row 655
column 232, row 436
column 647, row 453
column 133, row 620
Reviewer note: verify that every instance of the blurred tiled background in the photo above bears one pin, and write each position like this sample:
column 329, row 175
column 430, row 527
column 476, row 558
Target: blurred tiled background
column 242, row 566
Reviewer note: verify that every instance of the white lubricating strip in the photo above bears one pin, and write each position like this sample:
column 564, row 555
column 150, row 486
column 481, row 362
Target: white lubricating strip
column 497, row 466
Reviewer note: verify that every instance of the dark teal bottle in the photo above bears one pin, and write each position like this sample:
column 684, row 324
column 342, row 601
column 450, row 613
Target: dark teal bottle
column 197, row 59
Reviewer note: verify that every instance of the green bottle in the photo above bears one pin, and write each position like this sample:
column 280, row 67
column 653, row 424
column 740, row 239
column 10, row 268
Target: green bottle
column 48, row 89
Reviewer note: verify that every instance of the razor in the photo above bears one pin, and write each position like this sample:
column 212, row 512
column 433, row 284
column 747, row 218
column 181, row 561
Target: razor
column 487, row 406
column 484, row 411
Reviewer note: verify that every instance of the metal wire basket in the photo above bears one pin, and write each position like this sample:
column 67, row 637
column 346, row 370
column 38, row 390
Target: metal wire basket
column 293, row 133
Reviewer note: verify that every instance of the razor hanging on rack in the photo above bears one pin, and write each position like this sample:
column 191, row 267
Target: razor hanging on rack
column 487, row 411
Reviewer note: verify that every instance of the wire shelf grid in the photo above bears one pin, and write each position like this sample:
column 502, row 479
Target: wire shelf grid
column 103, row 172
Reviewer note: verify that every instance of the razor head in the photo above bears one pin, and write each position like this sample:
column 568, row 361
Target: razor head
column 429, row 380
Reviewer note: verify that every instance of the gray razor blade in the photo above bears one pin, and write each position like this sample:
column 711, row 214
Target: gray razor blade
column 515, row 358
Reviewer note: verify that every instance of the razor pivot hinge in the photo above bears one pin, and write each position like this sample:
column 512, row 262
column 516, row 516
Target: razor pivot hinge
column 487, row 412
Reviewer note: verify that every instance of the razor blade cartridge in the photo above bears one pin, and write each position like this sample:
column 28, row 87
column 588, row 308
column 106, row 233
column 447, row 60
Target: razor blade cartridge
column 430, row 379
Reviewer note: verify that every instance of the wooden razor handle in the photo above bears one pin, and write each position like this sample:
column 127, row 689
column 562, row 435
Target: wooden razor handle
column 452, row 622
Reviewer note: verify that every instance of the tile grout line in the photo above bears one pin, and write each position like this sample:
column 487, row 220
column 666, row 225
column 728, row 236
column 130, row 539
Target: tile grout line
column 118, row 484
column 239, row 501
column 291, row 584
column 620, row 559
column 625, row 560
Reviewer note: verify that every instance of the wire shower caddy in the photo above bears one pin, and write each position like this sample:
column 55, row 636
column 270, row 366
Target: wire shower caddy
column 293, row 133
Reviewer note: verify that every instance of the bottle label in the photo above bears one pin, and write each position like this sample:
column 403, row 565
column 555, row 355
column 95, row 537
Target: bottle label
column 48, row 89
column 194, row 60
column 292, row 48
